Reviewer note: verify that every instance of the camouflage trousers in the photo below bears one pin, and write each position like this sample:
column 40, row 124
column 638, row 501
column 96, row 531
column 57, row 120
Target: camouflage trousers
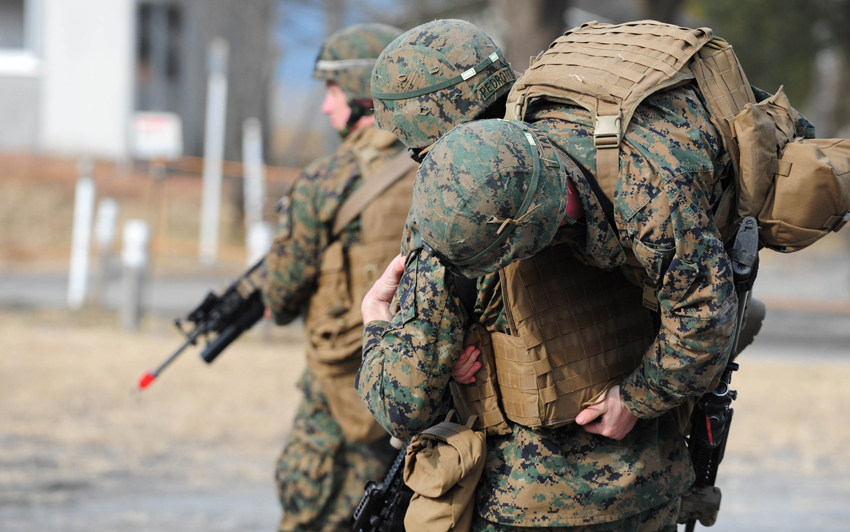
column 320, row 476
column 661, row 518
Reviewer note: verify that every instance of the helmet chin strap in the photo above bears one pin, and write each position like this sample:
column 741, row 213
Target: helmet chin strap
column 358, row 111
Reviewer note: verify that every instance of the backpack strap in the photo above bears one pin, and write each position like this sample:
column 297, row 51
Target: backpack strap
column 395, row 169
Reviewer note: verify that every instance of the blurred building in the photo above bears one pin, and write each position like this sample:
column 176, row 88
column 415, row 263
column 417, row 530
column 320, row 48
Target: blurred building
column 73, row 72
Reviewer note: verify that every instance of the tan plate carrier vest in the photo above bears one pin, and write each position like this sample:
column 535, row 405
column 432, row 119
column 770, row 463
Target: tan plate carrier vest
column 798, row 194
column 334, row 323
column 576, row 330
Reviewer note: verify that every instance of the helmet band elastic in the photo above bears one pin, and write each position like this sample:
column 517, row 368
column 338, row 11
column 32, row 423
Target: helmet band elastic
column 344, row 64
column 463, row 76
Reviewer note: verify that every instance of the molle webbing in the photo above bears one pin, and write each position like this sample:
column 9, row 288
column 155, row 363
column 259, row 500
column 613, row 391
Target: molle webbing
column 609, row 70
column 724, row 88
column 333, row 322
column 576, row 330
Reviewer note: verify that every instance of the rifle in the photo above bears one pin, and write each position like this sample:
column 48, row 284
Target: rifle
column 712, row 414
column 228, row 315
column 382, row 507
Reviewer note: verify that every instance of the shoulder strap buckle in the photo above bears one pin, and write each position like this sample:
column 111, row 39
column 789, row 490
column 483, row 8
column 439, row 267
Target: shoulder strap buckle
column 841, row 222
column 650, row 295
column 607, row 132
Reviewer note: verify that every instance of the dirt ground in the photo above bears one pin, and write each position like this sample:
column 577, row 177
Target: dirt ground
column 73, row 430
column 82, row 451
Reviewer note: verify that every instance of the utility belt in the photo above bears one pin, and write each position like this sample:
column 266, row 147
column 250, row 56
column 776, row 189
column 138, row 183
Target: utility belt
column 576, row 331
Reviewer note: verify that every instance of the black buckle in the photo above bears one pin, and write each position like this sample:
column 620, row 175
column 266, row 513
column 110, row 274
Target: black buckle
column 444, row 261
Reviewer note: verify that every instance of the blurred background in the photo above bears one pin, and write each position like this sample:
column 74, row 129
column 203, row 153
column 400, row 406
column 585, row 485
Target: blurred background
column 143, row 145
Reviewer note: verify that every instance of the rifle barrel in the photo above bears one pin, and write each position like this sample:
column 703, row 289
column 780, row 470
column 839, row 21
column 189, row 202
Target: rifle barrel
column 149, row 377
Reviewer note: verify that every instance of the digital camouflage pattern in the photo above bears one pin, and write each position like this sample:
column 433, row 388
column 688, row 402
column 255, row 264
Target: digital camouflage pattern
column 348, row 56
column 661, row 518
column 309, row 492
column 320, row 476
column 423, row 58
column 303, row 231
column 482, row 224
column 671, row 166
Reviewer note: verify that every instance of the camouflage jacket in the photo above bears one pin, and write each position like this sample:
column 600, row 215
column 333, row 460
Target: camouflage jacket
column 304, row 227
column 671, row 165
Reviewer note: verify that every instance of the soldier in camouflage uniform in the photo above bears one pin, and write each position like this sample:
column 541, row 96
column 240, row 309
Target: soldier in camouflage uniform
column 323, row 468
column 624, row 463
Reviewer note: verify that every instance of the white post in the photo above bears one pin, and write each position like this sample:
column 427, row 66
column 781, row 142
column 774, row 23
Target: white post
column 105, row 229
column 213, row 148
column 254, row 190
column 259, row 241
column 134, row 261
column 81, row 237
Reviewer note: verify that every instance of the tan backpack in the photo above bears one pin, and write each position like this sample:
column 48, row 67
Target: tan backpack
column 798, row 188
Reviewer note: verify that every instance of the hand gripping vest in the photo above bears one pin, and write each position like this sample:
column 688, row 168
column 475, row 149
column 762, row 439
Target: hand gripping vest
column 576, row 331
column 333, row 323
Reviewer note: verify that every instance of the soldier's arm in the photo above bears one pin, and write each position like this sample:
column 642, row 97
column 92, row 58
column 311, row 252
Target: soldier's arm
column 677, row 243
column 295, row 256
column 408, row 360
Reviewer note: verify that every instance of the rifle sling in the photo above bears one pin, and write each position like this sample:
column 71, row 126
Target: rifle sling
column 351, row 208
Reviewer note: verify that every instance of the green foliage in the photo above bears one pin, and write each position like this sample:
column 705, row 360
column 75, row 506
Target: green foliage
column 775, row 40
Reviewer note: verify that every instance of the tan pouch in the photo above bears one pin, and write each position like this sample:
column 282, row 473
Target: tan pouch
column 337, row 381
column 761, row 131
column 442, row 466
column 333, row 322
column 810, row 196
column 481, row 398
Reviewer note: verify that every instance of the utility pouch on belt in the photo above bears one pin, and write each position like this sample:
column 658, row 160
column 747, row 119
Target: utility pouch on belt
column 481, row 398
column 442, row 467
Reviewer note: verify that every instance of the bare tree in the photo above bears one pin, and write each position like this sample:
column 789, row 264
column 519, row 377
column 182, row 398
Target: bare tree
column 836, row 16
column 661, row 10
column 530, row 27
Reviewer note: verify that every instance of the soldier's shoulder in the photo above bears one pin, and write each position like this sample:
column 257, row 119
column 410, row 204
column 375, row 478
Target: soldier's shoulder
column 328, row 171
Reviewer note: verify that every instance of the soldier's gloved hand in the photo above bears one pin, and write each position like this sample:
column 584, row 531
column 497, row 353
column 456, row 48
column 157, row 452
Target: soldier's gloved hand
column 376, row 304
column 609, row 418
column 466, row 366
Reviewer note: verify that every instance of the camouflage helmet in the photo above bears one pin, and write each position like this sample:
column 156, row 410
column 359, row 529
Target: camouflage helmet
column 436, row 76
column 347, row 57
column 488, row 193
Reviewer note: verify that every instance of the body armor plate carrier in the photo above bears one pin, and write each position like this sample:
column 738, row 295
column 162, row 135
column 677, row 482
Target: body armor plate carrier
column 334, row 323
column 576, row 331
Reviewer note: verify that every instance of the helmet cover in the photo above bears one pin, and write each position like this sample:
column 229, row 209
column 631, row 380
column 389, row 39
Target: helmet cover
column 436, row 76
column 488, row 193
column 348, row 56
